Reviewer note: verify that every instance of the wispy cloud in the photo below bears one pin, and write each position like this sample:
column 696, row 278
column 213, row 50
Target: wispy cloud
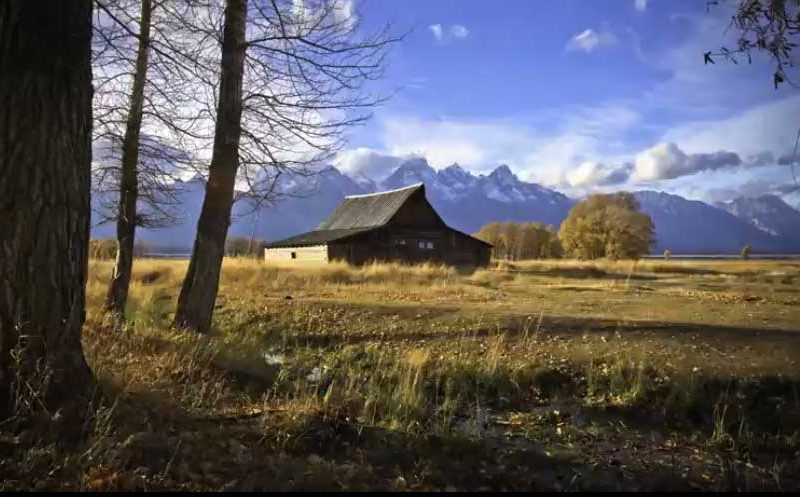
column 752, row 188
column 591, row 39
column 770, row 127
column 459, row 31
column 446, row 33
column 641, row 5
column 437, row 30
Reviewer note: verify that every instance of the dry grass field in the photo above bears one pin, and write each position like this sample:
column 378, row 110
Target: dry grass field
column 542, row 375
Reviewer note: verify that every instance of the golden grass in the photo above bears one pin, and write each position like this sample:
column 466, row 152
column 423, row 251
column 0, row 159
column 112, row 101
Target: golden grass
column 431, row 351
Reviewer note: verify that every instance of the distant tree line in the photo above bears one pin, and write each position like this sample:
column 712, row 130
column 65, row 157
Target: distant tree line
column 242, row 246
column 601, row 226
column 516, row 241
column 106, row 249
column 237, row 246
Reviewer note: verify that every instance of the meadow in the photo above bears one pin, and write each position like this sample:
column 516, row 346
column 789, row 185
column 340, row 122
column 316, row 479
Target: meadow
column 532, row 375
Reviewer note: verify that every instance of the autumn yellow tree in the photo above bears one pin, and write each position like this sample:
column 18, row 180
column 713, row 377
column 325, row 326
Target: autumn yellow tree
column 491, row 233
column 608, row 226
column 516, row 241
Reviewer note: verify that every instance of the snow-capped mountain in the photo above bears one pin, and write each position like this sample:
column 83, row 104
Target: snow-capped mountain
column 769, row 214
column 693, row 227
column 467, row 202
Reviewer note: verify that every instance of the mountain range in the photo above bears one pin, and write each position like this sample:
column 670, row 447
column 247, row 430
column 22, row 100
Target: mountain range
column 467, row 201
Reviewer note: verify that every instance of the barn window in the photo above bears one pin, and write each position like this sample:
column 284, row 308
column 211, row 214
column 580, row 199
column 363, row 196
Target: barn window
column 400, row 242
column 421, row 244
column 294, row 255
column 430, row 245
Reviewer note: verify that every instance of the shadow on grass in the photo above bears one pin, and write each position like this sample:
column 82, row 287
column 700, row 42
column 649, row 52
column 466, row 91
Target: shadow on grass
column 397, row 460
column 588, row 273
column 207, row 449
column 570, row 326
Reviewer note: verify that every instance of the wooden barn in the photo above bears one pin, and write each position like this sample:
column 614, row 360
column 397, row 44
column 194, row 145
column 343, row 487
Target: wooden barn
column 397, row 225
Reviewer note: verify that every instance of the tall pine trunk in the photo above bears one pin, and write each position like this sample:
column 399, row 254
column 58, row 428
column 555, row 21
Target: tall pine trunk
column 45, row 161
column 199, row 289
column 117, row 296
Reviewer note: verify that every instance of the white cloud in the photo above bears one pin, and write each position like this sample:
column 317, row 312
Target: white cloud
column 459, row 31
column 641, row 5
column 591, row 39
column 667, row 161
column 445, row 141
column 437, row 31
column 341, row 12
column 592, row 173
column 370, row 163
column 447, row 33
column 543, row 149
column 658, row 162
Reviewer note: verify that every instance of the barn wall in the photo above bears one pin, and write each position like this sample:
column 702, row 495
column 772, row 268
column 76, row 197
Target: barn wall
column 360, row 249
column 315, row 253
column 465, row 250
column 403, row 244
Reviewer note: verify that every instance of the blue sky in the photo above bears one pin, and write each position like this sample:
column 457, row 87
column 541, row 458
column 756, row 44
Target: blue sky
column 578, row 95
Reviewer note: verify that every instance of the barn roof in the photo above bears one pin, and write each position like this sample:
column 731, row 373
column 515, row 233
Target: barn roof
column 358, row 214
column 316, row 237
column 369, row 211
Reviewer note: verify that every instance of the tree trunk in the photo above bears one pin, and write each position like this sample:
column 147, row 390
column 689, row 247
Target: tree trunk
column 45, row 161
column 117, row 296
column 199, row 289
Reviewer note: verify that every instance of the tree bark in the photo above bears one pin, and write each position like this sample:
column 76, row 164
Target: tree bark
column 45, row 162
column 127, row 218
column 199, row 290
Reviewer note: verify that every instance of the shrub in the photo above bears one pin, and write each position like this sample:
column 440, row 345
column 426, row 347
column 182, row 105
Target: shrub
column 746, row 252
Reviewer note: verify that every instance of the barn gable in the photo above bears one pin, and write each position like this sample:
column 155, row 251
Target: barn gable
column 373, row 210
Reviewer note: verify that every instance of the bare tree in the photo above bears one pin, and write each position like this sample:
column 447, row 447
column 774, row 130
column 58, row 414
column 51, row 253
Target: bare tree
column 117, row 296
column 300, row 87
column 199, row 289
column 45, row 157
column 770, row 27
column 141, row 84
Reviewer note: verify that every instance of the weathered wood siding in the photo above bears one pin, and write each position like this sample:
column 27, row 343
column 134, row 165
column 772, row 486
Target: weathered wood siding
column 315, row 253
column 464, row 250
column 417, row 214
column 404, row 244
